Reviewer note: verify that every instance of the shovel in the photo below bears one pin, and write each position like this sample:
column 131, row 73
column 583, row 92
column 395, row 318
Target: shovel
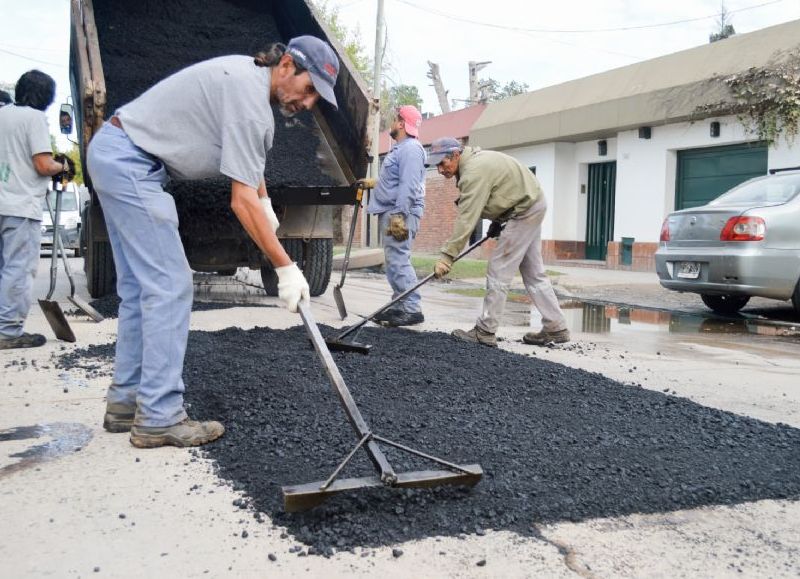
column 52, row 311
column 59, row 244
column 337, row 290
column 306, row 496
column 338, row 343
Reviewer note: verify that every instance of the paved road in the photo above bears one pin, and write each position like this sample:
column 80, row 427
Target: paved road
column 86, row 499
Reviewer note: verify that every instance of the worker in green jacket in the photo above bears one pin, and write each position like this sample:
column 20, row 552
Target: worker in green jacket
column 495, row 186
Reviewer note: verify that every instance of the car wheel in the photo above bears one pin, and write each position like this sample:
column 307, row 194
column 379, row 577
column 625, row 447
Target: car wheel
column 726, row 303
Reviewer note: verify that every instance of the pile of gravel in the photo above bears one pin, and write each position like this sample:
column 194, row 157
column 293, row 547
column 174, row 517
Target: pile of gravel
column 556, row 443
column 108, row 306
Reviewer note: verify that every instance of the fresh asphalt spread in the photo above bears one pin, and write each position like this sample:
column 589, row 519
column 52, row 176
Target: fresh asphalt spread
column 556, row 443
column 108, row 306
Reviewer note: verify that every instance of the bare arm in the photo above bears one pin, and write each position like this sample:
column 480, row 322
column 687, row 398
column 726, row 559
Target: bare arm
column 262, row 190
column 246, row 206
column 47, row 166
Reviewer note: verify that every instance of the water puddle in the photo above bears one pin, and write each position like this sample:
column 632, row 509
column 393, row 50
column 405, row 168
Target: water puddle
column 598, row 318
column 64, row 438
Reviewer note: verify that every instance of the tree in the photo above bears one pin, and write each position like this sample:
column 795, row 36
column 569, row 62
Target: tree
column 397, row 96
column 350, row 39
column 724, row 27
column 491, row 91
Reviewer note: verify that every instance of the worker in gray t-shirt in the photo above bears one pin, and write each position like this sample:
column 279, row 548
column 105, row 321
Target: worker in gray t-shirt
column 26, row 165
column 208, row 119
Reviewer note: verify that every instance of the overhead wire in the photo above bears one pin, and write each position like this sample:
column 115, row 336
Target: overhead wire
column 578, row 31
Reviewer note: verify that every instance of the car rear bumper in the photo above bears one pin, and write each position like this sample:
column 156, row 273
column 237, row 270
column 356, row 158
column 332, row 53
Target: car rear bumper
column 743, row 270
column 69, row 237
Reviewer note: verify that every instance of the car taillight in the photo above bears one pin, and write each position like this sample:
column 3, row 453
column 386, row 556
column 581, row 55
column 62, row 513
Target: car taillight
column 665, row 230
column 743, row 229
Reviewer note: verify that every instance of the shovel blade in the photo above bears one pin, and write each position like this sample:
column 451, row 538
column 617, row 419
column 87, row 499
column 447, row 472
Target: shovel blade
column 335, row 345
column 86, row 308
column 57, row 320
column 339, row 299
column 303, row 497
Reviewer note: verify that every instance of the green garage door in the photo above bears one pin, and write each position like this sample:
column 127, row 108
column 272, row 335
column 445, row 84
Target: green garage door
column 705, row 174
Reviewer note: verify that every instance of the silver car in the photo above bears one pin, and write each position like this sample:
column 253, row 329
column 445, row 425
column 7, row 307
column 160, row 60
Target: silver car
column 744, row 243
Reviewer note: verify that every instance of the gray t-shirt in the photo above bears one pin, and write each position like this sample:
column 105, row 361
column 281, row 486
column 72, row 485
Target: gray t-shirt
column 209, row 118
column 23, row 134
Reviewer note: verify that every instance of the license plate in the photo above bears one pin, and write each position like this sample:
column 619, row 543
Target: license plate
column 689, row 269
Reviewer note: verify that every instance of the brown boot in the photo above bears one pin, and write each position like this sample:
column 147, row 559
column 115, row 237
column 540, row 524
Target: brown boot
column 543, row 338
column 119, row 417
column 476, row 336
column 186, row 433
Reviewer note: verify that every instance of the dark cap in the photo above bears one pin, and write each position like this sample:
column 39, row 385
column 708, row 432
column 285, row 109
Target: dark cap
column 440, row 148
column 321, row 62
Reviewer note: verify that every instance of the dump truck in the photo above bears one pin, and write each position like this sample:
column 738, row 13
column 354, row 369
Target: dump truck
column 120, row 48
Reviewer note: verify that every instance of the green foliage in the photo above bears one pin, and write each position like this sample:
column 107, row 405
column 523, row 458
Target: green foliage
column 493, row 92
column 350, row 39
column 726, row 32
column 397, row 96
column 766, row 99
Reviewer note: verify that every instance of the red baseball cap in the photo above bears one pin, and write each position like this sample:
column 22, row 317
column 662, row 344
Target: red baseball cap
column 412, row 119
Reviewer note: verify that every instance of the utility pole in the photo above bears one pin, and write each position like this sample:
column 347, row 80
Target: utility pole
column 373, row 240
column 376, row 92
column 474, row 85
column 434, row 75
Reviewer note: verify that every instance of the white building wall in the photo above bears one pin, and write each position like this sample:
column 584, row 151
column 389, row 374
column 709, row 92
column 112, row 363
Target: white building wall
column 543, row 157
column 646, row 174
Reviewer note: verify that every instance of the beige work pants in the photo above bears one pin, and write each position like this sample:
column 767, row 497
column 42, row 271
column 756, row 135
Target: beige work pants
column 519, row 247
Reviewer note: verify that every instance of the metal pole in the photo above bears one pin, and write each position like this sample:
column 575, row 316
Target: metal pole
column 374, row 238
column 376, row 91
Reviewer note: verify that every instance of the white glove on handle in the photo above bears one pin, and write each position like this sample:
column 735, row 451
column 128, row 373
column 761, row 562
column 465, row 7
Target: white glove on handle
column 266, row 203
column 292, row 286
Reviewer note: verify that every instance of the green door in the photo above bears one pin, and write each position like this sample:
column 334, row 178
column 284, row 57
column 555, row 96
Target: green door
column 705, row 174
column 600, row 210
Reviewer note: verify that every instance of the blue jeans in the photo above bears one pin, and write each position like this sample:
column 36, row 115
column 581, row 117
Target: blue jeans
column 153, row 278
column 399, row 272
column 20, row 240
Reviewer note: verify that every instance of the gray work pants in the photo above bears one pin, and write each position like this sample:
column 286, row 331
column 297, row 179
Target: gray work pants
column 519, row 247
column 20, row 240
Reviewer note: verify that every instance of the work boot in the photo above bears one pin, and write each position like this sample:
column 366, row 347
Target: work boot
column 543, row 338
column 400, row 318
column 186, row 433
column 386, row 315
column 119, row 417
column 476, row 336
column 23, row 341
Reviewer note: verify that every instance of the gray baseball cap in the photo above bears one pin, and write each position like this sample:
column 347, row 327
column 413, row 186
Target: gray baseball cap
column 440, row 148
column 321, row 62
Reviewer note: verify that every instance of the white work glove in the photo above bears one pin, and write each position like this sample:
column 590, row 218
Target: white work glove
column 266, row 203
column 292, row 286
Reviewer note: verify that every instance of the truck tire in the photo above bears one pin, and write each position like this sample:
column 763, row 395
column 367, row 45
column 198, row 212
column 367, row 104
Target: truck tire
column 313, row 257
column 725, row 304
column 78, row 251
column 796, row 298
column 98, row 264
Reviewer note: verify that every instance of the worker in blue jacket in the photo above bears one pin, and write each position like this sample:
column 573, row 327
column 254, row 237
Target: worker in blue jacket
column 399, row 201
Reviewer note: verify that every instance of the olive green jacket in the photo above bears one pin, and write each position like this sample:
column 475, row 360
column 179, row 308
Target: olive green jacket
column 493, row 186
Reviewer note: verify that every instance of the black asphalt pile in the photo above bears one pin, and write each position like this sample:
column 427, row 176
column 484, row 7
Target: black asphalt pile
column 108, row 306
column 556, row 443
column 144, row 41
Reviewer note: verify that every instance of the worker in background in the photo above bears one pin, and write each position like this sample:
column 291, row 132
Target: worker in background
column 399, row 201
column 495, row 186
column 210, row 118
column 26, row 166
column 5, row 99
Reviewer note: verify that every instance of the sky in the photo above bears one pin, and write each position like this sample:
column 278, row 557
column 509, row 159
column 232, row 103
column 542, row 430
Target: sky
column 537, row 42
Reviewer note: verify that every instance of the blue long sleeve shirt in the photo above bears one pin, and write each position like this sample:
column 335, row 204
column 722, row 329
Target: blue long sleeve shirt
column 401, row 183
